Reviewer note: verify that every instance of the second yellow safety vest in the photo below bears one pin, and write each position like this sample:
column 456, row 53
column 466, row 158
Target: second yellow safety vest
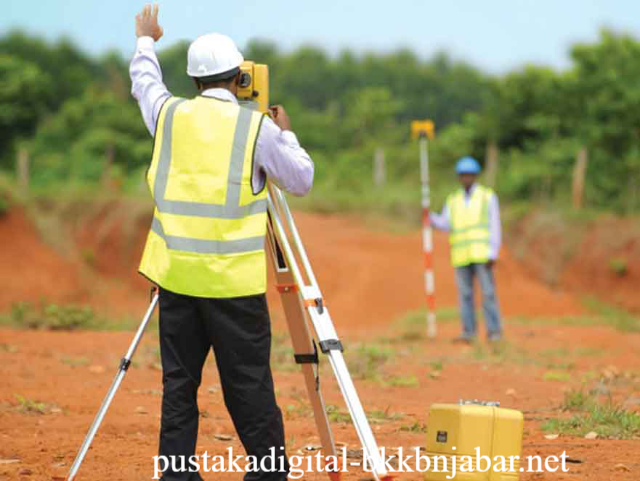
column 208, row 230
column 469, row 221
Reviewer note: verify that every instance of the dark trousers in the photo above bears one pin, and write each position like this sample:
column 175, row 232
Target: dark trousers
column 239, row 331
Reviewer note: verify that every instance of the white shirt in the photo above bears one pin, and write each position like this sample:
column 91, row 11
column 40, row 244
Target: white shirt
column 443, row 221
column 278, row 154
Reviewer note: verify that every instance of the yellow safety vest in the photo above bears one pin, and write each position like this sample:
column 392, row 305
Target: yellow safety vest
column 208, row 230
column 469, row 235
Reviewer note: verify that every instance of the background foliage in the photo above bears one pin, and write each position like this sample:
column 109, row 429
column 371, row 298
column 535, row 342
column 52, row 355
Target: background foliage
column 76, row 118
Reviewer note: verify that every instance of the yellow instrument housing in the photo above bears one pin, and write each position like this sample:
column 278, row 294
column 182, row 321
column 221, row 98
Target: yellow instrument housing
column 465, row 427
column 423, row 128
column 256, row 94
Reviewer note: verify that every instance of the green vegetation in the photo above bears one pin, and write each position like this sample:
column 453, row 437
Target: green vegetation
column 336, row 415
column 577, row 400
column 403, row 381
column 366, row 360
column 377, row 416
column 607, row 420
column 75, row 118
column 602, row 314
column 413, row 326
column 75, row 361
column 29, row 406
column 619, row 318
column 416, row 428
column 282, row 353
column 556, row 376
column 52, row 317
column 619, row 266
column 55, row 317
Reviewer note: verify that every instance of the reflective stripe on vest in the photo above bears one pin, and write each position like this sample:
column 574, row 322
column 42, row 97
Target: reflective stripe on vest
column 470, row 234
column 197, row 247
column 231, row 209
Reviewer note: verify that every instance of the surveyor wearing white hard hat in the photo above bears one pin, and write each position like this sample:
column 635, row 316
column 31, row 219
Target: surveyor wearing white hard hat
column 205, row 249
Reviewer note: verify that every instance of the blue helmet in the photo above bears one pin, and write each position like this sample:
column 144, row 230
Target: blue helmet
column 467, row 165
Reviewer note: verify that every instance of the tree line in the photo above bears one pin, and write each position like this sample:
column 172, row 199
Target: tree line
column 73, row 117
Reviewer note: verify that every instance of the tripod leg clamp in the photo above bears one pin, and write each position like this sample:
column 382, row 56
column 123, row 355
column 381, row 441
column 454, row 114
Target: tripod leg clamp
column 308, row 358
column 318, row 303
column 331, row 345
column 124, row 364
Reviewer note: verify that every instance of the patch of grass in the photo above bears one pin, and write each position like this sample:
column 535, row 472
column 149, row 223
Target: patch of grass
column 562, row 365
column 619, row 266
column 577, row 400
column 613, row 316
column 588, row 351
column 602, row 314
column 30, row 406
column 413, row 325
column 379, row 415
column 75, row 361
column 52, row 317
column 556, row 376
column 501, row 352
column 366, row 360
column 403, row 381
column 416, row 427
column 282, row 353
column 555, row 352
column 437, row 365
column 88, row 256
column 298, row 410
column 608, row 420
column 335, row 415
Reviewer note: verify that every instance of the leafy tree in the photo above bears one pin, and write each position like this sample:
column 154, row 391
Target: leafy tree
column 24, row 93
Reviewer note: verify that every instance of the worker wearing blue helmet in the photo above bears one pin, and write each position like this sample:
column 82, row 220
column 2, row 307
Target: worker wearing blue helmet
column 472, row 218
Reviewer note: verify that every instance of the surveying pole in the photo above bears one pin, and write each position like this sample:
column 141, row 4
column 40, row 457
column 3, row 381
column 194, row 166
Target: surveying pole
column 424, row 130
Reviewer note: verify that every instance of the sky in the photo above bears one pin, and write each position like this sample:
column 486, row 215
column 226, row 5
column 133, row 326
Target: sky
column 497, row 35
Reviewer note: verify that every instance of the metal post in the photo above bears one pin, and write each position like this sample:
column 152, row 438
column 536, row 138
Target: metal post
column 122, row 370
column 427, row 239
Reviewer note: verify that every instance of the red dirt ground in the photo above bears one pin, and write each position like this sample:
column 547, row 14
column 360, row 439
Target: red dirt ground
column 370, row 279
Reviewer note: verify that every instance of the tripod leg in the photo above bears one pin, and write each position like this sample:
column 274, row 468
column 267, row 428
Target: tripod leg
column 332, row 347
column 122, row 370
column 306, row 356
column 303, row 346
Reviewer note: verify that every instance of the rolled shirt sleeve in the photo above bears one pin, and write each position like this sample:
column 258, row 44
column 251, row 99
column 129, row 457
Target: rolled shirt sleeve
column 147, row 86
column 441, row 221
column 280, row 158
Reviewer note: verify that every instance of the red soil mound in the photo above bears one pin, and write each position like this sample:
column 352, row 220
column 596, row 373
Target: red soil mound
column 368, row 277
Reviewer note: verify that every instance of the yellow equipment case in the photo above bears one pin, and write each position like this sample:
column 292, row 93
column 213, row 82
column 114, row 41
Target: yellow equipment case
column 455, row 432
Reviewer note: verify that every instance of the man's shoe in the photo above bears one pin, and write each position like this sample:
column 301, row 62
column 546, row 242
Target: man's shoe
column 495, row 337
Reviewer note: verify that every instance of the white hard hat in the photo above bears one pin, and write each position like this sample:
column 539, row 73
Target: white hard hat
column 213, row 54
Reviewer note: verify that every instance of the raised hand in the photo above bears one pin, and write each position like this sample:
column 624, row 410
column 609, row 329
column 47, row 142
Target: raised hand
column 147, row 23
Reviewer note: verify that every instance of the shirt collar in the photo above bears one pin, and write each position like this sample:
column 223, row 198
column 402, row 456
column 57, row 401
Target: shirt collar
column 471, row 190
column 220, row 94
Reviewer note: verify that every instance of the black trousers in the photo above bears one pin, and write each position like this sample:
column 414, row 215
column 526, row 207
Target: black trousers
column 239, row 330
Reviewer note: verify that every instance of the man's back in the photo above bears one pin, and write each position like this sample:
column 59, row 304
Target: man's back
column 208, row 224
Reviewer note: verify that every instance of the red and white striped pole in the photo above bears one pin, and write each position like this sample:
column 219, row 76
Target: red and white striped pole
column 424, row 130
